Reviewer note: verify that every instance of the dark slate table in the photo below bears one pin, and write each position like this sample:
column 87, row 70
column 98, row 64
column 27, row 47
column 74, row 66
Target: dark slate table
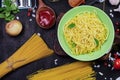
column 8, row 45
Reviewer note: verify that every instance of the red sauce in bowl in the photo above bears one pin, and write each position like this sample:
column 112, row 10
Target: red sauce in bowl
column 46, row 18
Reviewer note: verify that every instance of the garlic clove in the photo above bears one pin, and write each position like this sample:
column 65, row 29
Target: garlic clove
column 114, row 2
column 118, row 9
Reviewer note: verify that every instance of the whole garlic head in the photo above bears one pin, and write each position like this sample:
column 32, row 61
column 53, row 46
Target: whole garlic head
column 118, row 9
column 114, row 2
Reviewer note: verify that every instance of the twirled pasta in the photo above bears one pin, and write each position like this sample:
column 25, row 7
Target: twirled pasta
column 85, row 33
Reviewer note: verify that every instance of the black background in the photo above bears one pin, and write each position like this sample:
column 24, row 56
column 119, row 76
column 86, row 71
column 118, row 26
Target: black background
column 8, row 44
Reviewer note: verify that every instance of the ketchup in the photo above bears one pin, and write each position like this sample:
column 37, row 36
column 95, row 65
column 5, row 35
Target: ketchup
column 46, row 18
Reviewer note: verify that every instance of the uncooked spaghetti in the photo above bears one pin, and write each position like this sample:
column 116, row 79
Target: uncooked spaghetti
column 72, row 71
column 85, row 33
column 34, row 49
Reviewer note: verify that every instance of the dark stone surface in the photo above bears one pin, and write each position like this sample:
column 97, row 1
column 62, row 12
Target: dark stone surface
column 8, row 45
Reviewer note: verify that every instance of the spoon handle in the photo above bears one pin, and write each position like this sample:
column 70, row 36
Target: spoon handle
column 41, row 4
column 104, row 6
column 91, row 3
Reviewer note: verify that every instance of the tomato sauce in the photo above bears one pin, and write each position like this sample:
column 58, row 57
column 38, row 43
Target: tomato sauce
column 46, row 18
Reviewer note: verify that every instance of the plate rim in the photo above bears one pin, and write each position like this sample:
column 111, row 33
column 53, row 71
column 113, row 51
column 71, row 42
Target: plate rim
column 78, row 56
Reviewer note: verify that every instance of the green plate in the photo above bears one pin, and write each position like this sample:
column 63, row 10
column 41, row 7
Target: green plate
column 103, row 17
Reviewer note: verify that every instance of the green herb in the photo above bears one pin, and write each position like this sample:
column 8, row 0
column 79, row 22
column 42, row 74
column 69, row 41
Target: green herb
column 96, row 41
column 71, row 25
column 73, row 44
column 9, row 10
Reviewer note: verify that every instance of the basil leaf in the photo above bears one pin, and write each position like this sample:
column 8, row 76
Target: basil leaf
column 7, row 3
column 1, row 9
column 96, row 41
column 13, row 7
column 2, row 16
column 15, row 11
column 9, row 18
column 8, row 9
column 73, row 45
column 7, row 14
column 71, row 25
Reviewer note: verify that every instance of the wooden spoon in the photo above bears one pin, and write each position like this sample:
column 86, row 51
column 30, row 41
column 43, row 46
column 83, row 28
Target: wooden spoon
column 74, row 3
column 57, row 48
column 45, row 16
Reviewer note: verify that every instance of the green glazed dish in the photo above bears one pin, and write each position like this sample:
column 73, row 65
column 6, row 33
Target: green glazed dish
column 105, row 48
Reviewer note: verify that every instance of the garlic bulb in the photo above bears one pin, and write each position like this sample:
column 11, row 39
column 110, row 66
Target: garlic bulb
column 118, row 9
column 114, row 2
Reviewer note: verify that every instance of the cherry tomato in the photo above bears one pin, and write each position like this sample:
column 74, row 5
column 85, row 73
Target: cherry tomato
column 117, row 64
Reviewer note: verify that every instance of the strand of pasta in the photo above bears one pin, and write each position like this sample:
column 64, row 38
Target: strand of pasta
column 80, row 72
column 65, row 72
column 83, row 75
column 87, row 28
column 23, row 48
column 33, row 49
column 58, row 71
column 28, row 49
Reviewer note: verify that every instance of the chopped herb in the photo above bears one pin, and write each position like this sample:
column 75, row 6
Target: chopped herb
column 96, row 41
column 71, row 25
column 73, row 45
column 7, row 12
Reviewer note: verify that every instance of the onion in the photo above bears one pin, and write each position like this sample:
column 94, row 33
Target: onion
column 13, row 28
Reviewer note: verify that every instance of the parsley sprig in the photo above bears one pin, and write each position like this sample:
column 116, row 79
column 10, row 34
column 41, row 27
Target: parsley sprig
column 9, row 10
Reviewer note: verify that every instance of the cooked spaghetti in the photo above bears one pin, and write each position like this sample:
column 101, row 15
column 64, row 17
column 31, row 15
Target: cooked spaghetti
column 85, row 33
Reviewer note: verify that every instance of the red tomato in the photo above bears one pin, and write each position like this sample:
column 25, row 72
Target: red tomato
column 117, row 64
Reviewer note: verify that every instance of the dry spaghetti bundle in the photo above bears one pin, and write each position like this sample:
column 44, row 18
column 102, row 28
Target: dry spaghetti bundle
column 72, row 71
column 34, row 49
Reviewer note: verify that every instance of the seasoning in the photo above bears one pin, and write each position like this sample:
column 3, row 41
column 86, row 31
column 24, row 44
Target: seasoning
column 46, row 18
column 28, row 14
column 117, row 64
column 101, row 73
column 55, row 61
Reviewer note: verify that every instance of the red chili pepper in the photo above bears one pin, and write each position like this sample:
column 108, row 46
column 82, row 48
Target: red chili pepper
column 117, row 31
column 115, row 56
column 106, row 64
column 117, row 64
column 30, row 10
column 28, row 14
column 117, row 23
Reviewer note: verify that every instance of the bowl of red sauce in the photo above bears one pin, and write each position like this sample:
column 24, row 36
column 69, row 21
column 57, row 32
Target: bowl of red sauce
column 45, row 16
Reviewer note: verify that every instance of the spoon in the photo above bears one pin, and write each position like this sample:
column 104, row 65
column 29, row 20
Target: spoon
column 45, row 16
column 35, row 6
column 57, row 48
column 100, row 1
